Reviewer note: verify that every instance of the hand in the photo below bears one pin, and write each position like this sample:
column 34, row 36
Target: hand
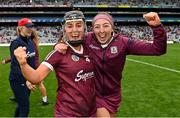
column 3, row 62
column 61, row 47
column 30, row 86
column 6, row 60
column 152, row 18
column 21, row 55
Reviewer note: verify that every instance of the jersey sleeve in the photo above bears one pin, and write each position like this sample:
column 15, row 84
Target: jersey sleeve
column 52, row 60
column 141, row 47
column 14, row 44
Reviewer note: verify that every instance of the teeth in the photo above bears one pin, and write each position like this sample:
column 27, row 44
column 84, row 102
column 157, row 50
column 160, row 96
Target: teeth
column 102, row 36
column 75, row 35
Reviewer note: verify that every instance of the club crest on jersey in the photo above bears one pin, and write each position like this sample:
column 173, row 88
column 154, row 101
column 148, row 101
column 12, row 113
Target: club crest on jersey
column 114, row 50
column 87, row 58
column 75, row 58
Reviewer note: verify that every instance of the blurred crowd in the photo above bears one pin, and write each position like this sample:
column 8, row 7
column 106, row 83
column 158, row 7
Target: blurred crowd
column 144, row 32
column 160, row 3
column 46, row 34
column 50, row 34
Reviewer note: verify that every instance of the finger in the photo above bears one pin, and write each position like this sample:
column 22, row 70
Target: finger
column 19, row 50
column 149, row 17
column 33, row 88
column 29, row 87
column 24, row 48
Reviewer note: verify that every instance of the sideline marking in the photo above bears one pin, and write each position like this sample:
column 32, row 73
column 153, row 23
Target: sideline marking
column 165, row 68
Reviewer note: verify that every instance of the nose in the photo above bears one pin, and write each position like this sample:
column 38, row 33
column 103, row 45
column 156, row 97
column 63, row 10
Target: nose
column 101, row 29
column 74, row 28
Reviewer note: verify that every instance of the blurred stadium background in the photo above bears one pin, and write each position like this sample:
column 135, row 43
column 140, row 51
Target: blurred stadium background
column 148, row 90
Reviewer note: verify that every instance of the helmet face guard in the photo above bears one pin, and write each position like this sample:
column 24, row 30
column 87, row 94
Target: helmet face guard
column 72, row 15
column 69, row 17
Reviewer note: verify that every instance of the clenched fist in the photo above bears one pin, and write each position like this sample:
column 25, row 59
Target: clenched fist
column 152, row 18
column 21, row 55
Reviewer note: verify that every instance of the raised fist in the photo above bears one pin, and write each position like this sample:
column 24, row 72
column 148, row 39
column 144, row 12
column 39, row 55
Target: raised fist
column 21, row 55
column 152, row 18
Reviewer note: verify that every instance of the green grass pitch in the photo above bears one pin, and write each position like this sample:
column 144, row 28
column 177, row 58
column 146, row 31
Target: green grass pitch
column 147, row 91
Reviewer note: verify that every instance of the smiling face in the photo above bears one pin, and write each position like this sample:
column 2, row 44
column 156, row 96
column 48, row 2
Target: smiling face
column 74, row 29
column 103, row 30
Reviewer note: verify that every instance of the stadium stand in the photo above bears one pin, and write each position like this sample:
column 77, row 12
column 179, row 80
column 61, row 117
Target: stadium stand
column 48, row 16
column 50, row 34
column 139, row 3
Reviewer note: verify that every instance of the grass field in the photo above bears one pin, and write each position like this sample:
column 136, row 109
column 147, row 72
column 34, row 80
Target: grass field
column 147, row 91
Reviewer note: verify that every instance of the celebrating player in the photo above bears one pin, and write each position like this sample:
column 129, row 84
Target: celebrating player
column 109, row 52
column 74, row 70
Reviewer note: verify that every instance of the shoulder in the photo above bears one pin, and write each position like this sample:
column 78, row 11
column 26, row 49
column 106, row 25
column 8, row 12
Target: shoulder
column 54, row 59
column 18, row 40
column 89, row 34
column 120, row 38
column 14, row 44
column 54, row 55
column 89, row 37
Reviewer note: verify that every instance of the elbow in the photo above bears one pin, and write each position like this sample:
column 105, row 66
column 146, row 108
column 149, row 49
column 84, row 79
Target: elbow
column 34, row 80
column 161, row 52
column 164, row 52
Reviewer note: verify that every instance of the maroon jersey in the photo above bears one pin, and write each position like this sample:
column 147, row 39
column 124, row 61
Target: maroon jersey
column 109, row 63
column 36, row 56
column 76, row 88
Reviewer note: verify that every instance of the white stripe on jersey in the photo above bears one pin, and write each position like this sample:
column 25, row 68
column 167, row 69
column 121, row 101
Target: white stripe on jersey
column 48, row 65
column 50, row 54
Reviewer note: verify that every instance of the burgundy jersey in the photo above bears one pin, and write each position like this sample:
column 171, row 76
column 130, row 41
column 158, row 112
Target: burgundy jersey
column 76, row 87
column 36, row 56
column 109, row 63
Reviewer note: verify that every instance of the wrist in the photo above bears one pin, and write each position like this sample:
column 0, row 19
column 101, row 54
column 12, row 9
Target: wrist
column 22, row 64
column 156, row 26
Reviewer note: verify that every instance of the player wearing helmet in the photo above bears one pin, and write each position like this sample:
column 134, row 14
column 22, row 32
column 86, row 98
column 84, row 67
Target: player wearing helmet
column 109, row 51
column 74, row 70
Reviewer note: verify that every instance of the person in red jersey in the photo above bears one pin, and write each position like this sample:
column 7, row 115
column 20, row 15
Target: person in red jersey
column 109, row 51
column 74, row 71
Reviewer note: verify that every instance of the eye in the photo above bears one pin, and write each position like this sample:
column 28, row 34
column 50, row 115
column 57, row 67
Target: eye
column 106, row 25
column 69, row 26
column 79, row 25
column 96, row 27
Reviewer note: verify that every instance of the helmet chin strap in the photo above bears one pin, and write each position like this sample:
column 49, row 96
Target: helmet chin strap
column 73, row 43
column 76, row 43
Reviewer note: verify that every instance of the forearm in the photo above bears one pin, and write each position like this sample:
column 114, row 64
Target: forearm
column 30, row 74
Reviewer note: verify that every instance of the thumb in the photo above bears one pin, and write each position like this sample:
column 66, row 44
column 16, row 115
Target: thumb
column 24, row 48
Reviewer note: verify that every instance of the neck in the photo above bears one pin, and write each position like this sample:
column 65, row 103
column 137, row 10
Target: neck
column 78, row 48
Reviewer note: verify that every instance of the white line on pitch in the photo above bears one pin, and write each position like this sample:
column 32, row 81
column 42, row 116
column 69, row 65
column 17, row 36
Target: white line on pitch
column 165, row 68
